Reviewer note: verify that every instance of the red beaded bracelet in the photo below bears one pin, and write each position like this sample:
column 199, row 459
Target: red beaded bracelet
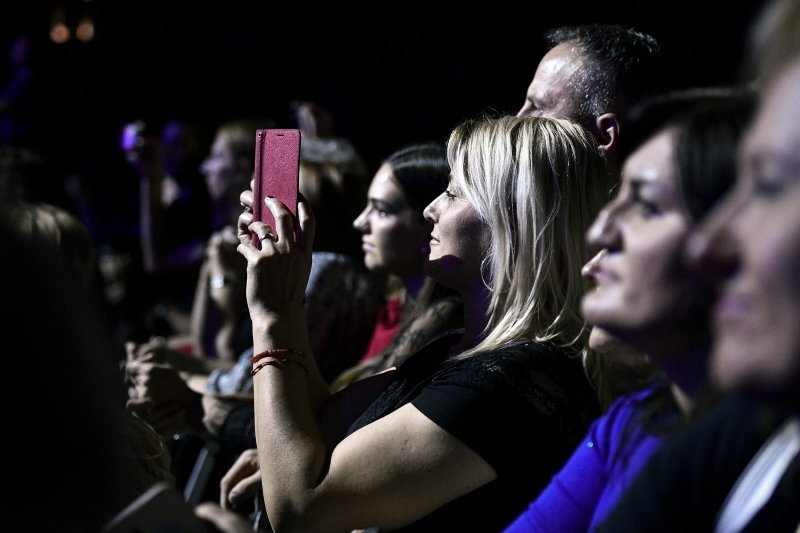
column 273, row 352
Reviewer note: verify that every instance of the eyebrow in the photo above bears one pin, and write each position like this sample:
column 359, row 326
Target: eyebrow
column 380, row 203
column 637, row 184
column 784, row 162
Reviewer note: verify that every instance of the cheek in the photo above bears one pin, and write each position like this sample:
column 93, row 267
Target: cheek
column 399, row 244
column 216, row 185
column 392, row 238
column 466, row 230
column 603, row 306
column 771, row 255
column 473, row 243
column 770, row 244
column 653, row 271
column 651, row 287
column 764, row 352
column 766, row 363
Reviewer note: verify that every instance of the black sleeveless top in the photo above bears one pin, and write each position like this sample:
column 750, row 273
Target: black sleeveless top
column 522, row 408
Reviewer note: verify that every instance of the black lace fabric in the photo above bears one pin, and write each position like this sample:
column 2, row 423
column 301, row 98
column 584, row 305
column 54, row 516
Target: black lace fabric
column 522, row 408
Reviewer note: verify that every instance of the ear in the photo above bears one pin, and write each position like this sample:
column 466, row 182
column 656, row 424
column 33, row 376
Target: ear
column 607, row 129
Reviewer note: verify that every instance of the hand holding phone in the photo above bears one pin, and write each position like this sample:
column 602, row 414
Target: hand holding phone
column 277, row 173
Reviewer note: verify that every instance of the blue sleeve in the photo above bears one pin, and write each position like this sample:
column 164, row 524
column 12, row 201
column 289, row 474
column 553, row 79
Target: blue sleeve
column 570, row 500
column 567, row 503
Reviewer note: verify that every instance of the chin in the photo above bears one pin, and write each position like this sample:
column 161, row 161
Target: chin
column 371, row 264
column 763, row 370
column 600, row 316
column 602, row 341
column 436, row 269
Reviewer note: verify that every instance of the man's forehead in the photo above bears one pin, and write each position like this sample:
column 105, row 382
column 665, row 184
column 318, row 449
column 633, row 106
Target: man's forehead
column 561, row 60
column 552, row 88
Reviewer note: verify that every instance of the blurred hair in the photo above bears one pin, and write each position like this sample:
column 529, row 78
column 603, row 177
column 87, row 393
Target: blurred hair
column 100, row 465
column 422, row 171
column 538, row 183
column 58, row 231
column 25, row 175
column 240, row 138
column 773, row 40
column 334, row 181
column 709, row 123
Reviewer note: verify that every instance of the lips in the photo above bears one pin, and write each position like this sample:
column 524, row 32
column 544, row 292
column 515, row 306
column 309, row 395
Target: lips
column 367, row 246
column 434, row 241
column 596, row 273
column 601, row 276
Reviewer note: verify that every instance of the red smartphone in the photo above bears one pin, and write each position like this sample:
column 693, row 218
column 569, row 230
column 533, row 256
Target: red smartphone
column 277, row 173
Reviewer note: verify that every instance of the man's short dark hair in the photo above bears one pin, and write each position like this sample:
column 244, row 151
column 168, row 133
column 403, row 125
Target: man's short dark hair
column 623, row 66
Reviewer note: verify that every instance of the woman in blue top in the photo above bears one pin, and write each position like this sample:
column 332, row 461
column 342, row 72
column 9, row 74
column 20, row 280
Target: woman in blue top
column 679, row 160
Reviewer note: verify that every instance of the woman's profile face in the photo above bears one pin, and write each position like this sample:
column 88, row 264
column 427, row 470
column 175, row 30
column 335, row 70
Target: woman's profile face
column 219, row 168
column 394, row 235
column 641, row 284
column 752, row 242
column 460, row 240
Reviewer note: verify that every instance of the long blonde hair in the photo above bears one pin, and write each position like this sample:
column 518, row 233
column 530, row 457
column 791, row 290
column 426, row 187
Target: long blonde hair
column 538, row 183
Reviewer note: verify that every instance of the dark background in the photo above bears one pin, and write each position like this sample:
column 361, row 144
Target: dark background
column 390, row 72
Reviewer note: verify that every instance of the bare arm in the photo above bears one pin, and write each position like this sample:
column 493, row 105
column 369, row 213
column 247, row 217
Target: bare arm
column 390, row 472
column 219, row 299
column 200, row 311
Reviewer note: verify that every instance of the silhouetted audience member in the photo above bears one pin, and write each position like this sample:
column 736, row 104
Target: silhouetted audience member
column 94, row 456
column 174, row 220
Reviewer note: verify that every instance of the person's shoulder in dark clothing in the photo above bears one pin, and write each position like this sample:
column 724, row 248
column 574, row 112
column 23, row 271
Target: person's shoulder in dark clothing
column 686, row 482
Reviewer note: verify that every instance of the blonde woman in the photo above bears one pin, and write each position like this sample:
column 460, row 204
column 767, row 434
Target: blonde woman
column 437, row 443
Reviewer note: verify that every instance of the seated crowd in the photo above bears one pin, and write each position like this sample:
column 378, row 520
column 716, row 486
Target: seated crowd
column 582, row 317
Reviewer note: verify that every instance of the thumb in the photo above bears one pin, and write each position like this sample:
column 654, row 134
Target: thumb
column 245, row 490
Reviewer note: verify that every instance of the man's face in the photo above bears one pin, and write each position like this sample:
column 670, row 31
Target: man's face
column 552, row 90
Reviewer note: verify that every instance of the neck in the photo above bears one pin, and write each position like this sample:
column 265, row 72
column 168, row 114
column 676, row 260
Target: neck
column 476, row 307
column 413, row 284
column 687, row 370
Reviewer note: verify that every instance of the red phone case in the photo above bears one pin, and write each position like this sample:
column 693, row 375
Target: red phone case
column 277, row 172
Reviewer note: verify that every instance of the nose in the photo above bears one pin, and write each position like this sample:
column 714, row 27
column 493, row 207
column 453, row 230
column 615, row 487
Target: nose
column 713, row 248
column 604, row 233
column 360, row 222
column 430, row 213
column 529, row 110
column 591, row 266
